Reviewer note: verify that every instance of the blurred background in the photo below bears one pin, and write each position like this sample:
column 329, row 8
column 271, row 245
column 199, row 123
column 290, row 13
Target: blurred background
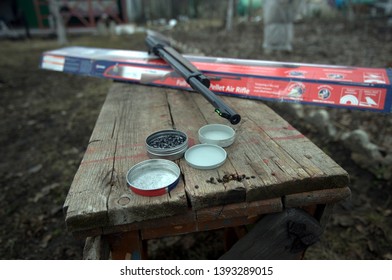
column 46, row 118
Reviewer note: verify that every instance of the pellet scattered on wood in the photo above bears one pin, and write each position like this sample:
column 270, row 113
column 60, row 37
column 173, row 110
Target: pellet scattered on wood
column 229, row 177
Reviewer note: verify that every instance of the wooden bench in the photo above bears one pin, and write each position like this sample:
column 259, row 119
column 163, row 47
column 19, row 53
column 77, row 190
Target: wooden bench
column 284, row 172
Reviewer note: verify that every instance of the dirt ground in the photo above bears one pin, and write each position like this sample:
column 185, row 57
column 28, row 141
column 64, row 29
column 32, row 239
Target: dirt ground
column 46, row 119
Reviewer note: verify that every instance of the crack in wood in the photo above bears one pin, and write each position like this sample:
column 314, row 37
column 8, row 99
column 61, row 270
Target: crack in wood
column 279, row 164
column 187, row 196
column 112, row 171
column 93, row 141
column 220, row 211
column 114, row 127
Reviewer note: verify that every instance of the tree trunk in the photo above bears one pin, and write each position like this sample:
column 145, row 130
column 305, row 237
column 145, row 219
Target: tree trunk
column 229, row 15
column 135, row 11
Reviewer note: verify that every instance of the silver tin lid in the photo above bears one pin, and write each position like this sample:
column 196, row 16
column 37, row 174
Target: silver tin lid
column 153, row 177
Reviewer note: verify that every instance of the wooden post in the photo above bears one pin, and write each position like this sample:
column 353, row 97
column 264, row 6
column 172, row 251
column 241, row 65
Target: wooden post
column 59, row 22
column 229, row 15
column 127, row 245
column 96, row 248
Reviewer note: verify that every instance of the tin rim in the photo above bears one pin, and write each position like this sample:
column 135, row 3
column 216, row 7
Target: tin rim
column 153, row 177
column 171, row 156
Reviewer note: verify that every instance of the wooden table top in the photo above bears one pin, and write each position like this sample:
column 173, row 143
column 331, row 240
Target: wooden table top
column 282, row 167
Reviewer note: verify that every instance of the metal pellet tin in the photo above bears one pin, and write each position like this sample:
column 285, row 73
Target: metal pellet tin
column 167, row 144
column 153, row 177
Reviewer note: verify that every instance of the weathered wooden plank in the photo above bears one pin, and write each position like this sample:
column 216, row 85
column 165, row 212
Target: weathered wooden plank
column 187, row 216
column 295, row 160
column 269, row 171
column 327, row 196
column 202, row 220
column 214, row 218
column 99, row 195
column 199, row 219
column 139, row 117
column 86, row 202
column 243, row 209
column 188, row 116
column 275, row 171
column 165, row 231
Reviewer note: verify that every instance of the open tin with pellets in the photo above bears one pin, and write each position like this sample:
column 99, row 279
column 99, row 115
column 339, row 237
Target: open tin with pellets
column 167, row 144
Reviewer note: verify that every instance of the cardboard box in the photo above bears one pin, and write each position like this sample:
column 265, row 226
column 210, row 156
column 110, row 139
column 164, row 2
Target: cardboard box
column 321, row 85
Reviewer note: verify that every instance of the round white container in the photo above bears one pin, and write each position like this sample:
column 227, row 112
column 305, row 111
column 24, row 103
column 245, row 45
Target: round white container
column 217, row 134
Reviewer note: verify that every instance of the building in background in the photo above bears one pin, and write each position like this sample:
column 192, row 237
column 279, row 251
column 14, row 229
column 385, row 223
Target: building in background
column 76, row 13
column 35, row 15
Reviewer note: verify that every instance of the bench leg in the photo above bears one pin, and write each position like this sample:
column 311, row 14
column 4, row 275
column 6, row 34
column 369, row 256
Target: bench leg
column 126, row 245
column 96, row 248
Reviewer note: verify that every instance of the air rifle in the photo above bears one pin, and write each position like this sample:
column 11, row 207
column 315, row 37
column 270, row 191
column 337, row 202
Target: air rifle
column 159, row 46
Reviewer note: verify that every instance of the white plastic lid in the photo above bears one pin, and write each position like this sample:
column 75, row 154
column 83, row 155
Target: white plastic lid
column 205, row 156
column 217, row 134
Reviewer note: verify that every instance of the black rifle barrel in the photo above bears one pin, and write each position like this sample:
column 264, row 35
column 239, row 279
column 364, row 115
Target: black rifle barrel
column 197, row 80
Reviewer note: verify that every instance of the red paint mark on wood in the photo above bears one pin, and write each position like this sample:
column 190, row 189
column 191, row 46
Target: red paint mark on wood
column 93, row 150
column 111, row 159
column 289, row 137
column 286, row 127
column 191, row 142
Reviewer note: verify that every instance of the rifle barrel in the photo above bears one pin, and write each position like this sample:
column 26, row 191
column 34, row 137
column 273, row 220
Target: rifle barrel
column 197, row 80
